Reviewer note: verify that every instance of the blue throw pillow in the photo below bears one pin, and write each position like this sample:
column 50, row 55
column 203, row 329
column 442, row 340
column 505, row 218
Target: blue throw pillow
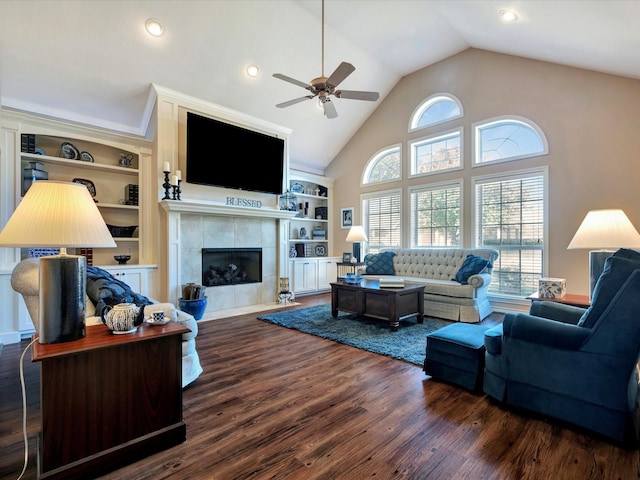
column 472, row 265
column 617, row 269
column 103, row 289
column 380, row 263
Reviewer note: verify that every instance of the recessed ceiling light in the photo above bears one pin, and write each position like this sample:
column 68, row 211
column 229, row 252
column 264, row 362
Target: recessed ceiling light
column 253, row 70
column 154, row 27
column 508, row 16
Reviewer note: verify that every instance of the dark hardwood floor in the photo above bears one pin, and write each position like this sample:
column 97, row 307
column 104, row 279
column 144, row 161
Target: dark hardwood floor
column 275, row 403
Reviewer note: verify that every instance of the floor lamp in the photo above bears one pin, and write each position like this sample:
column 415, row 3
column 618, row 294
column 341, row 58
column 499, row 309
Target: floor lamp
column 59, row 215
column 356, row 235
column 604, row 231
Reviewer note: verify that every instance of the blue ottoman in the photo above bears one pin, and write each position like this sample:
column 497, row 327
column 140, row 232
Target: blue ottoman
column 455, row 354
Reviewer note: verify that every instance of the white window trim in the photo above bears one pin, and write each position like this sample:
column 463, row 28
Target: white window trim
column 381, row 193
column 369, row 166
column 475, row 139
column 498, row 177
column 448, row 133
column 436, row 186
column 426, row 103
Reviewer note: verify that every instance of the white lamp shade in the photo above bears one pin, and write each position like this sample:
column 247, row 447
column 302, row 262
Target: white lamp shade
column 56, row 214
column 356, row 234
column 605, row 229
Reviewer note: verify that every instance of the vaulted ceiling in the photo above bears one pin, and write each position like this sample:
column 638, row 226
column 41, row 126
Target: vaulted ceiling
column 93, row 62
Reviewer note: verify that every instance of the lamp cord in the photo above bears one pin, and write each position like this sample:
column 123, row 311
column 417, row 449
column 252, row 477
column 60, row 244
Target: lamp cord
column 24, row 410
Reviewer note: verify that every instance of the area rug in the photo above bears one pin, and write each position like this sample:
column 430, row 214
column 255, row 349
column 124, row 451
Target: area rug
column 408, row 343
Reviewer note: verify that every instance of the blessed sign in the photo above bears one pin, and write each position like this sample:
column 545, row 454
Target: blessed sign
column 244, row 202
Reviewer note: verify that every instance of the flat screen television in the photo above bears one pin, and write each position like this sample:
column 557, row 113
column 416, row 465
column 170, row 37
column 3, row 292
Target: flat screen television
column 224, row 155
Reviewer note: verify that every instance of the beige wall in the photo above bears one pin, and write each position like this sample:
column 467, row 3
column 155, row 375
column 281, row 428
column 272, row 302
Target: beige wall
column 591, row 121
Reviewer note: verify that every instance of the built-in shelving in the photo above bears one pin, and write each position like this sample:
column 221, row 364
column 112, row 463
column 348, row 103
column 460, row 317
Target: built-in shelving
column 311, row 267
column 34, row 157
column 102, row 165
column 110, row 178
column 309, row 230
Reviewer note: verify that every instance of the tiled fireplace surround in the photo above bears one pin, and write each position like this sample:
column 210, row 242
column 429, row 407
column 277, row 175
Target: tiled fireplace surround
column 209, row 231
column 196, row 225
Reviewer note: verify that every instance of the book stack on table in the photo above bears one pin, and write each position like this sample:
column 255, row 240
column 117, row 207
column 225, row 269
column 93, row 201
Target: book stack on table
column 391, row 282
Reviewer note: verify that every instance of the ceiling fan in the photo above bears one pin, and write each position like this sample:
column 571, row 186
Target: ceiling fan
column 323, row 87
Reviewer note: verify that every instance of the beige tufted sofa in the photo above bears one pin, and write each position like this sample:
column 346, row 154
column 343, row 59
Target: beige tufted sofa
column 435, row 268
column 25, row 280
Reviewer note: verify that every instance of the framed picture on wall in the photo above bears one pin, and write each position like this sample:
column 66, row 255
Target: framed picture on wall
column 346, row 217
column 346, row 257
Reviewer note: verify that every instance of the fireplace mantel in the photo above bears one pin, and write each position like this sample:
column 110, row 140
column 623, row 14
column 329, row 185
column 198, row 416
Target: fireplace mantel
column 215, row 208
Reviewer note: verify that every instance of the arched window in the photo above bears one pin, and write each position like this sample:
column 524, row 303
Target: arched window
column 436, row 109
column 384, row 166
column 508, row 138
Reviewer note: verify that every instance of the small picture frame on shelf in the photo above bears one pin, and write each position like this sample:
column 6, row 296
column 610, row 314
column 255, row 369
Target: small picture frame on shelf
column 346, row 217
column 346, row 257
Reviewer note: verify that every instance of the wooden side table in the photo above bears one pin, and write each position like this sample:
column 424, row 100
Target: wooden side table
column 348, row 267
column 569, row 299
column 108, row 400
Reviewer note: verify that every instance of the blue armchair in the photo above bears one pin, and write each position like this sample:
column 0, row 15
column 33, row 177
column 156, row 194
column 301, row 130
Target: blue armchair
column 572, row 364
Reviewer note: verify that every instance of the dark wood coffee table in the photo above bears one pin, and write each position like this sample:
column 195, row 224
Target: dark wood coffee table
column 368, row 299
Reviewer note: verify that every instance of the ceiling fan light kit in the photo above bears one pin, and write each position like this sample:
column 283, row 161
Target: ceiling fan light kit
column 323, row 87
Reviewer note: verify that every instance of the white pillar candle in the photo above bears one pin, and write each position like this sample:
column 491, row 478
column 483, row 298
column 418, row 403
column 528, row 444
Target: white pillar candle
column 179, row 174
column 166, row 167
column 174, row 180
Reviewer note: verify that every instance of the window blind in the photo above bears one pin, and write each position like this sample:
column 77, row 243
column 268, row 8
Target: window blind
column 510, row 219
column 382, row 216
column 435, row 217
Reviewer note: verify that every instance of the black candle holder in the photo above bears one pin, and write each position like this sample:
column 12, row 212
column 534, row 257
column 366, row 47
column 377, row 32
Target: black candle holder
column 175, row 192
column 179, row 190
column 167, row 186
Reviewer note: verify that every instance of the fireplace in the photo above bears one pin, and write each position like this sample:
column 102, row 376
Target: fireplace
column 231, row 266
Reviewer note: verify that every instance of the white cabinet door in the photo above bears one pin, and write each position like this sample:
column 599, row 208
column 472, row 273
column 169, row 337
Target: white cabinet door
column 305, row 275
column 327, row 272
column 131, row 278
column 297, row 277
column 136, row 278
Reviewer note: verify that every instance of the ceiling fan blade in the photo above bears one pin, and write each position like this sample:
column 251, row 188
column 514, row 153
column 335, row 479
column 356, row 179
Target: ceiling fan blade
column 291, row 80
column 358, row 95
column 329, row 109
column 343, row 71
column 294, row 101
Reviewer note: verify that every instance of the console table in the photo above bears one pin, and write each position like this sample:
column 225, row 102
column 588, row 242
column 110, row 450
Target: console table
column 573, row 299
column 108, row 400
column 348, row 267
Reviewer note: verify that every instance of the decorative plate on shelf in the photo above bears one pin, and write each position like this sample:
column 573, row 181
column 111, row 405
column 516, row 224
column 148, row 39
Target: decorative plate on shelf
column 320, row 250
column 297, row 188
column 39, row 151
column 86, row 157
column 69, row 151
column 89, row 184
